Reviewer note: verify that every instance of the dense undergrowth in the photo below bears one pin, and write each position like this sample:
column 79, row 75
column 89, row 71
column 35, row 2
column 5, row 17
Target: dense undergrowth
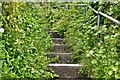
column 25, row 42
column 97, row 48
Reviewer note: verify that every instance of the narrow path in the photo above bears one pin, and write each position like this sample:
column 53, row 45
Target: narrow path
column 64, row 67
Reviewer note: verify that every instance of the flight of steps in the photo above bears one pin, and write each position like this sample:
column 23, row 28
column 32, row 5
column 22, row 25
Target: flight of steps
column 64, row 67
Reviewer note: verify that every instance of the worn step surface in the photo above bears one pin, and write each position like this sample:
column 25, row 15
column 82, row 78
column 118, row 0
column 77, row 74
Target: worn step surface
column 63, row 67
column 62, row 57
column 55, row 35
column 61, row 48
column 58, row 40
column 65, row 70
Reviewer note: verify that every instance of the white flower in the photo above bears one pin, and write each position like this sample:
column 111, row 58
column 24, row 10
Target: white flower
column 1, row 30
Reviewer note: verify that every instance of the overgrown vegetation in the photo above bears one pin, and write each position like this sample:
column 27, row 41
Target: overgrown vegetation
column 25, row 41
column 97, row 48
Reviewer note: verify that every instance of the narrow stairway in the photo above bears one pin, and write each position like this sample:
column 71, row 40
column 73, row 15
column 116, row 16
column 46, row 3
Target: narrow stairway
column 64, row 67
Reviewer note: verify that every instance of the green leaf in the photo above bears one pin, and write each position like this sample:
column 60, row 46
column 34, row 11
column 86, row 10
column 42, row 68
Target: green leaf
column 110, row 72
column 94, row 61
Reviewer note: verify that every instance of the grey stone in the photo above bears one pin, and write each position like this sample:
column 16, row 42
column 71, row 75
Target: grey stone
column 60, row 48
column 58, row 40
column 55, row 35
column 62, row 57
column 65, row 70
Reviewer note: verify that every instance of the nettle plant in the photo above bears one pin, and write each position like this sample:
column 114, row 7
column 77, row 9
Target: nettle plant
column 25, row 41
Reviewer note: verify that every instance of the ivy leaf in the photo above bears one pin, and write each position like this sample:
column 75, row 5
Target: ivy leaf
column 114, row 68
column 94, row 61
column 110, row 72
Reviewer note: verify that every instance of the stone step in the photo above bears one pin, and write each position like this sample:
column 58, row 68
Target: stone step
column 65, row 70
column 55, row 35
column 58, row 40
column 61, row 48
column 70, row 79
column 62, row 57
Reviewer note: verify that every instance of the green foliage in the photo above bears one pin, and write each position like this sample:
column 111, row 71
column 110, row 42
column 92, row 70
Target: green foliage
column 96, row 48
column 0, row 40
column 109, row 8
column 25, row 42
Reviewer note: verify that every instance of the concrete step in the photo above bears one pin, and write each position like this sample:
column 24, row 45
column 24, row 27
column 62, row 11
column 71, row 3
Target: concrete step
column 65, row 70
column 61, row 48
column 58, row 40
column 69, row 79
column 55, row 35
column 62, row 57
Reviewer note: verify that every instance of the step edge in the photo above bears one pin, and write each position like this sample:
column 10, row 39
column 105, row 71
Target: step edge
column 57, row 44
column 65, row 65
column 53, row 31
column 57, row 38
column 60, row 53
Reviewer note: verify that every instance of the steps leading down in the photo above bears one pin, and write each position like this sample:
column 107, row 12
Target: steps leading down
column 64, row 67
column 62, row 57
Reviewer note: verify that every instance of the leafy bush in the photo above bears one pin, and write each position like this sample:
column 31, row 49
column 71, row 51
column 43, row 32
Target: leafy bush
column 25, row 41
column 97, row 48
